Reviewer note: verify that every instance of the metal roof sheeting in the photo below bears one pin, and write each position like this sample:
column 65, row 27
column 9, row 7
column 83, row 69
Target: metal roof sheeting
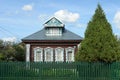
column 41, row 35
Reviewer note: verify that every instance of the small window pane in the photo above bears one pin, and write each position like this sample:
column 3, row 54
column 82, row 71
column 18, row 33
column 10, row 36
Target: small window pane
column 59, row 55
column 38, row 54
column 53, row 31
column 48, row 56
column 69, row 55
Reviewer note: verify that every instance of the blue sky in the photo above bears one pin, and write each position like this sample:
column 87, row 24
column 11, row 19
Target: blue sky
column 20, row 18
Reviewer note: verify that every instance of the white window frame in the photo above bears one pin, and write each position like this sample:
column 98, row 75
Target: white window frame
column 67, row 50
column 56, row 54
column 35, row 50
column 51, row 51
column 54, row 31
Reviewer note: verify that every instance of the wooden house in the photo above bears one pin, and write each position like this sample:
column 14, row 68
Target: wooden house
column 54, row 43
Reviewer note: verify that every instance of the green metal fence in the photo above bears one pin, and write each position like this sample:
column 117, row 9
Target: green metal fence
column 59, row 71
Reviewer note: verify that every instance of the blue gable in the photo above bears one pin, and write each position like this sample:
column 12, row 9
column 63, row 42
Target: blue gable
column 54, row 22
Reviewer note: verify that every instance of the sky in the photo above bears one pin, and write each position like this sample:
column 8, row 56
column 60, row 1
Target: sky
column 20, row 18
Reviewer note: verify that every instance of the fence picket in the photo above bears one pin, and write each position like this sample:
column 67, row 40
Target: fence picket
column 59, row 71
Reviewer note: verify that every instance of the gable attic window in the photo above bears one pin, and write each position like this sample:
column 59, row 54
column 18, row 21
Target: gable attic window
column 53, row 31
column 54, row 27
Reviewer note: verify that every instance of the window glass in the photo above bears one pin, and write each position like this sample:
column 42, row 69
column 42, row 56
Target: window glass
column 69, row 55
column 38, row 54
column 59, row 54
column 48, row 54
column 53, row 31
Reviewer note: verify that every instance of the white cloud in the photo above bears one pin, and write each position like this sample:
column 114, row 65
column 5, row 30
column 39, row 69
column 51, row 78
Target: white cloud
column 66, row 16
column 27, row 7
column 117, row 19
column 11, row 39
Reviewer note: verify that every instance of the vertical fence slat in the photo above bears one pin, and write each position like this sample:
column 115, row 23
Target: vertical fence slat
column 59, row 71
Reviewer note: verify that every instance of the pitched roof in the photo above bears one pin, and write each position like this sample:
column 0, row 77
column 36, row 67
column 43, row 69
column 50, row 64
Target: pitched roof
column 40, row 35
column 53, row 22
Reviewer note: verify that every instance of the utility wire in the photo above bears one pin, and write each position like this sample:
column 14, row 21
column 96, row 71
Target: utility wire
column 4, row 33
column 9, row 32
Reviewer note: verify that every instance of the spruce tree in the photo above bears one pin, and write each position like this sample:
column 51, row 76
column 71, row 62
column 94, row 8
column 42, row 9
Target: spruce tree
column 99, row 43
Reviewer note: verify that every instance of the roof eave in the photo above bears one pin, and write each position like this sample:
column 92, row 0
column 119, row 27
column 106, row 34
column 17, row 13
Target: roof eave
column 36, row 41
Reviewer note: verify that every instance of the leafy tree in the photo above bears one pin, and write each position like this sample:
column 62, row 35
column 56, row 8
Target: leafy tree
column 1, row 44
column 1, row 57
column 119, row 43
column 12, row 51
column 9, row 53
column 19, row 51
column 99, row 43
column 1, row 51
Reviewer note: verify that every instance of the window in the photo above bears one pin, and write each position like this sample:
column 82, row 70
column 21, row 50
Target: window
column 59, row 54
column 53, row 31
column 69, row 54
column 38, row 54
column 48, row 54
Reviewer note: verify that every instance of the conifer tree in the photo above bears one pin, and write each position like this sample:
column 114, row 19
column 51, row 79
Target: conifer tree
column 99, row 43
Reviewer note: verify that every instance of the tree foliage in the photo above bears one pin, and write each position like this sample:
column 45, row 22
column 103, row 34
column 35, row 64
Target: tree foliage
column 12, row 51
column 19, row 52
column 99, row 43
column 119, row 43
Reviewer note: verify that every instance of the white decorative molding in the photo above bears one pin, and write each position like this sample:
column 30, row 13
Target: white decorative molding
column 45, row 25
column 38, row 54
column 72, row 50
column 50, row 50
column 53, row 34
column 62, row 54
column 27, row 52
